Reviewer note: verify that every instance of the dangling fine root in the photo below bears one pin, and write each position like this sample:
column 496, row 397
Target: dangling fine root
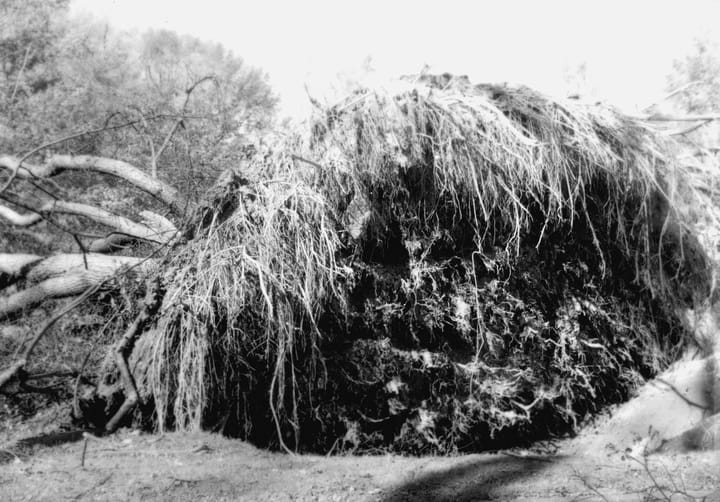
column 124, row 348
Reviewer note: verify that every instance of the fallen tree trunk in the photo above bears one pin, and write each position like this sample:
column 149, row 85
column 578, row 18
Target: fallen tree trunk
column 61, row 276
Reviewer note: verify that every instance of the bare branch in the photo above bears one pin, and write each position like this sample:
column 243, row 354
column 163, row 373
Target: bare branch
column 17, row 219
column 104, row 128
column 117, row 168
column 110, row 243
column 123, row 349
column 161, row 234
column 689, row 129
column 155, row 228
column 14, row 199
column 675, row 92
column 19, row 75
column 178, row 123
column 661, row 117
column 166, row 142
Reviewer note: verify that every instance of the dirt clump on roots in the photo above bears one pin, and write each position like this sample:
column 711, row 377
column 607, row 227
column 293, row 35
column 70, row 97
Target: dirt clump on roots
column 429, row 269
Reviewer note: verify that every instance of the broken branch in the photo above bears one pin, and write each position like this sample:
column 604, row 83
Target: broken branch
column 124, row 347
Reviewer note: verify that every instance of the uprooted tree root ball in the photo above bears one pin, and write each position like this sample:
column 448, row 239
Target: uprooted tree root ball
column 427, row 270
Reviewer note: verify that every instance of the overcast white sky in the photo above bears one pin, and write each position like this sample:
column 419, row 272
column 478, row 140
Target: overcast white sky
column 628, row 46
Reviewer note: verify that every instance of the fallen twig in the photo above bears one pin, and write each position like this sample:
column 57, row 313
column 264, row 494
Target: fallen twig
column 535, row 458
column 680, row 394
column 93, row 487
column 84, row 451
column 589, row 486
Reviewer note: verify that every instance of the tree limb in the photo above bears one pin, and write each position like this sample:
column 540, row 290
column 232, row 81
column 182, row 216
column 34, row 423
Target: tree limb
column 63, row 275
column 28, row 50
column 17, row 219
column 154, row 228
column 161, row 234
column 124, row 347
column 111, row 243
column 690, row 129
column 661, row 117
column 675, row 92
column 104, row 128
column 188, row 92
column 113, row 167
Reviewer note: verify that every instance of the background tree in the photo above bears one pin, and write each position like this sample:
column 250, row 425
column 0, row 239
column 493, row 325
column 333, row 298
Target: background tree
column 29, row 37
column 700, row 69
column 143, row 99
column 694, row 90
column 109, row 139
column 228, row 101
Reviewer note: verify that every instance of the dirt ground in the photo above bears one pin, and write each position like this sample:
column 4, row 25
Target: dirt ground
column 193, row 467
column 604, row 462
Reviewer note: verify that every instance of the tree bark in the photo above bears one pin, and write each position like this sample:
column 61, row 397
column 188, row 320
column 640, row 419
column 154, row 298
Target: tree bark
column 110, row 243
column 17, row 219
column 154, row 228
column 13, row 267
column 61, row 276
